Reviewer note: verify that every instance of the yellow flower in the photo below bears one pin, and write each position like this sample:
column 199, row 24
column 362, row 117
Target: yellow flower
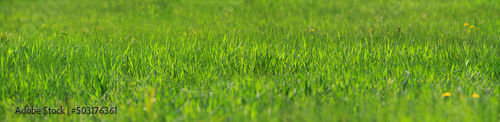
column 43, row 25
column 447, row 94
column 466, row 24
column 110, row 40
column 312, row 30
column 475, row 95
column 471, row 26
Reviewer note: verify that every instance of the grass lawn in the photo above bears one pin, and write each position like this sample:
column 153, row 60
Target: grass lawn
column 252, row 60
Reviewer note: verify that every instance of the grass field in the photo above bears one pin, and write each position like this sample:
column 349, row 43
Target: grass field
column 252, row 60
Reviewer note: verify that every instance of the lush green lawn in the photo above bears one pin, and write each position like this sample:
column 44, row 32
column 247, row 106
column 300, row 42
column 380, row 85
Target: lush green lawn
column 252, row 60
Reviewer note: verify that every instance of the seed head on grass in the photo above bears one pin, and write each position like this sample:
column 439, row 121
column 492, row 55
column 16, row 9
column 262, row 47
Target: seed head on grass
column 4, row 36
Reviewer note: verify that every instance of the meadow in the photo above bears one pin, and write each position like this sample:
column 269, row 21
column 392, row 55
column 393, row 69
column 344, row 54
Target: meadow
column 252, row 60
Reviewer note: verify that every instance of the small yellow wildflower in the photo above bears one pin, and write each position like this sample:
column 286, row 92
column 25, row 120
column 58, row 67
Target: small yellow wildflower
column 110, row 40
column 471, row 26
column 475, row 95
column 466, row 24
column 447, row 94
column 312, row 30
column 43, row 25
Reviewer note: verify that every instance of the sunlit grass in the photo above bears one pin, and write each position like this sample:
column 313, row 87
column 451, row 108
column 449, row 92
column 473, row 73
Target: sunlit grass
column 252, row 60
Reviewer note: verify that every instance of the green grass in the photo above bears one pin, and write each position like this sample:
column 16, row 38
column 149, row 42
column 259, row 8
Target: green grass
column 252, row 60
